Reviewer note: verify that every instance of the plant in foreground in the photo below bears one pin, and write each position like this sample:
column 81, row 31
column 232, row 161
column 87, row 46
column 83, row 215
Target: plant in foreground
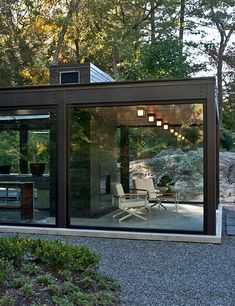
column 27, row 291
column 6, row 270
column 7, row 300
column 44, row 279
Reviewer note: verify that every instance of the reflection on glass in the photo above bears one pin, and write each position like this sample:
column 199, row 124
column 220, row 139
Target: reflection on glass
column 28, row 187
column 112, row 144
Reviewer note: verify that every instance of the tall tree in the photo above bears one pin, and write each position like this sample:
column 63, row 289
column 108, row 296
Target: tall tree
column 218, row 14
column 72, row 9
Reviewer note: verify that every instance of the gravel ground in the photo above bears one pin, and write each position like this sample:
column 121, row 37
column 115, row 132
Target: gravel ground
column 153, row 273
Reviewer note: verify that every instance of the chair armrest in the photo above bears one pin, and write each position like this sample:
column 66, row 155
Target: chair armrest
column 169, row 193
column 141, row 189
column 134, row 195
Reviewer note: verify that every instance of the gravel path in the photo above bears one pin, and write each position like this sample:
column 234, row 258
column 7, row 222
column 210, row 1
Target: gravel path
column 154, row 273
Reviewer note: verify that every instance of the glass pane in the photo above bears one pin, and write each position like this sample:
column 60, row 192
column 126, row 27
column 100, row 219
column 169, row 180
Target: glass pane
column 28, row 186
column 153, row 151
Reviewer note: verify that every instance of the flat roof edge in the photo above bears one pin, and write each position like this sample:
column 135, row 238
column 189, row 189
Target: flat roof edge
column 205, row 80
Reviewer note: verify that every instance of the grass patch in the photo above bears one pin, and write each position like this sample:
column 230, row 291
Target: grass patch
column 38, row 272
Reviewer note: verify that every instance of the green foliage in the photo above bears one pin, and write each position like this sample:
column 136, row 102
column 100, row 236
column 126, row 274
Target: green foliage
column 9, row 149
column 38, row 146
column 228, row 115
column 90, row 278
column 79, row 298
column 163, row 59
column 30, row 269
column 7, row 300
column 26, row 291
column 54, row 289
column 19, row 281
column 164, row 181
column 70, row 287
column 194, row 136
column 61, row 255
column 13, row 249
column 227, row 139
column 106, row 298
column 6, row 270
column 44, row 279
column 61, row 301
column 25, row 273
column 65, row 274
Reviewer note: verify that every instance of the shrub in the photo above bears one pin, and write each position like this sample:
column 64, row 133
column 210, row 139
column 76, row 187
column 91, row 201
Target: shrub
column 14, row 249
column 7, row 300
column 81, row 299
column 72, row 278
column 70, row 287
column 106, row 298
column 30, row 269
column 6, row 270
column 61, row 255
column 226, row 139
column 61, row 301
column 54, row 289
column 19, row 282
column 27, row 291
column 44, row 279
column 66, row 274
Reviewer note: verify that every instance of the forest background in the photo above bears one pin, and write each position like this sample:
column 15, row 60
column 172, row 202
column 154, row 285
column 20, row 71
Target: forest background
column 129, row 39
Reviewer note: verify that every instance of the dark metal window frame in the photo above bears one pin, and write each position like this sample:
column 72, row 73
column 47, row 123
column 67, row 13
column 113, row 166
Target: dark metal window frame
column 35, row 108
column 190, row 91
column 69, row 72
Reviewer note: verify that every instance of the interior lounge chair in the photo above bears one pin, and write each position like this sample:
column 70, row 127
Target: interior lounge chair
column 130, row 204
column 145, row 186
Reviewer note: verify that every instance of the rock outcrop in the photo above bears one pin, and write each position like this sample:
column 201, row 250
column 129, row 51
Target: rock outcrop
column 186, row 171
column 227, row 177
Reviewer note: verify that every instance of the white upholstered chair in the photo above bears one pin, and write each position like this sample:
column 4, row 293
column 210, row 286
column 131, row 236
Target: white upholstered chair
column 145, row 186
column 155, row 195
column 130, row 204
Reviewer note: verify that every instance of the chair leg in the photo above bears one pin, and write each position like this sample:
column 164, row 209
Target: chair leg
column 162, row 205
column 176, row 206
column 125, row 217
column 132, row 213
column 118, row 213
column 139, row 216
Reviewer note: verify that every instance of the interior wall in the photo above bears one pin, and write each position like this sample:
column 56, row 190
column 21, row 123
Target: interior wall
column 92, row 164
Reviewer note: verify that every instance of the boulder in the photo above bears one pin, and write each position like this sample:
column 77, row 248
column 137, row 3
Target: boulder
column 186, row 170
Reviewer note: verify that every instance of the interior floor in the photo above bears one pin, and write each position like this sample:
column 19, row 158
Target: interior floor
column 189, row 218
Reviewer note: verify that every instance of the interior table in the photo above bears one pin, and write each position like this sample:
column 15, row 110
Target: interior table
column 171, row 195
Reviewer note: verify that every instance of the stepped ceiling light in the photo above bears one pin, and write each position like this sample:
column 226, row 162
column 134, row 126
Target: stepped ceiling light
column 172, row 131
column 176, row 133
column 165, row 125
column 183, row 137
column 179, row 136
column 159, row 121
column 140, row 111
column 151, row 117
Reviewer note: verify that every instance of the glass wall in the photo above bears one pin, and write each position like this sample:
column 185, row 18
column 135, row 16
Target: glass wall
column 152, row 152
column 28, row 167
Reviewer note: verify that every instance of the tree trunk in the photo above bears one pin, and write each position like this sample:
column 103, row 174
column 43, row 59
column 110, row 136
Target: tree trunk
column 182, row 20
column 152, row 22
column 220, row 86
column 72, row 8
